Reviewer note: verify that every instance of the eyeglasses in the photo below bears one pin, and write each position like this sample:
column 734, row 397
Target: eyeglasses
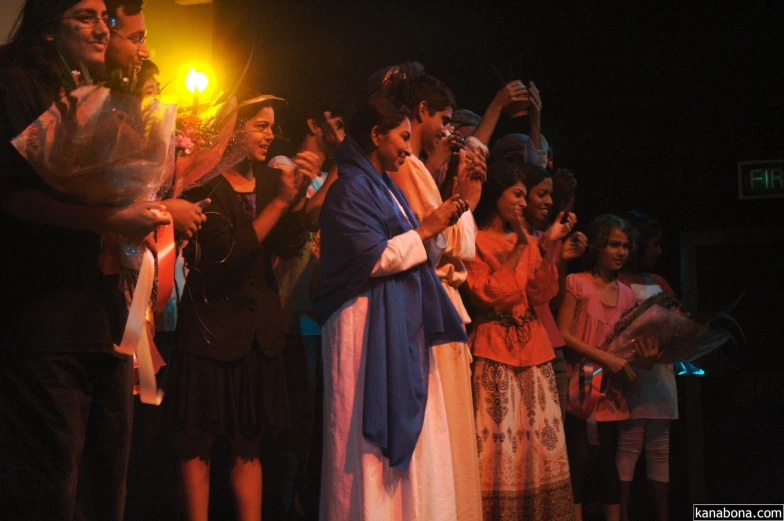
column 89, row 19
column 138, row 41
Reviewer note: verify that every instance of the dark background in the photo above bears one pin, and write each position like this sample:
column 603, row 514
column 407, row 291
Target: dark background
column 651, row 106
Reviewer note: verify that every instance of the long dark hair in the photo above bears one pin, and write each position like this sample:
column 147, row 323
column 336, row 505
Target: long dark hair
column 647, row 228
column 500, row 176
column 599, row 236
column 28, row 47
column 375, row 112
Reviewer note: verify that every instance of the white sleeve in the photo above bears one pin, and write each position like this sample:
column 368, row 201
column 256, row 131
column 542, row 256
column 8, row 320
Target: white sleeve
column 403, row 251
column 461, row 238
column 436, row 246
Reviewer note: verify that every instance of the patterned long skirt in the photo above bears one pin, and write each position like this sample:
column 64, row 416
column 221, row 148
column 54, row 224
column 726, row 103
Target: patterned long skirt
column 523, row 468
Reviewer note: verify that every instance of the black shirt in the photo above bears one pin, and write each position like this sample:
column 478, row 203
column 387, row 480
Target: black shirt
column 52, row 292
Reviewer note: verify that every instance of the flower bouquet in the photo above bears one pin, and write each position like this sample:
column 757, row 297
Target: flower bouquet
column 681, row 338
column 202, row 142
column 207, row 143
column 98, row 146
column 92, row 147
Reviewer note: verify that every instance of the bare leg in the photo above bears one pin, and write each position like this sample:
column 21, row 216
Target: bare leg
column 578, row 512
column 195, row 476
column 661, row 499
column 246, row 483
column 612, row 512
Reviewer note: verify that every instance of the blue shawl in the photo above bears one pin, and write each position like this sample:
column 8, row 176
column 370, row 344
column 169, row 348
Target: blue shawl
column 359, row 216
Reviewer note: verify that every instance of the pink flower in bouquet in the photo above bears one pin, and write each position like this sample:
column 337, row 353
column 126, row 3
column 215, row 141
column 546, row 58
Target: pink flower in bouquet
column 209, row 135
column 183, row 144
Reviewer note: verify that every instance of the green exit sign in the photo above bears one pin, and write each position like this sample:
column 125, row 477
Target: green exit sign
column 761, row 179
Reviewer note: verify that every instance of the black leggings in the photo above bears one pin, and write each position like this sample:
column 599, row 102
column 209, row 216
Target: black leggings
column 589, row 463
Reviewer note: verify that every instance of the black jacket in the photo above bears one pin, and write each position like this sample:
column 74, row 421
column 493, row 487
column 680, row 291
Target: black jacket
column 230, row 295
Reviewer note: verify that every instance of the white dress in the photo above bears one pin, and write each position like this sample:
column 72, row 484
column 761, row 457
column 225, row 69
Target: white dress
column 655, row 397
column 357, row 482
column 423, row 197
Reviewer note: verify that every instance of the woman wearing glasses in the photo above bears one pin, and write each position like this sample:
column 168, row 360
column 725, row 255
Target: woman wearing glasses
column 66, row 402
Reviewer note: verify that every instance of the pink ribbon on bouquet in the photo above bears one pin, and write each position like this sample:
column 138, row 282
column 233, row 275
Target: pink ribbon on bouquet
column 167, row 256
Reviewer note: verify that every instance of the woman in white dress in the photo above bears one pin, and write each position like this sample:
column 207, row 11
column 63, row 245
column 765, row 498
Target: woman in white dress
column 381, row 306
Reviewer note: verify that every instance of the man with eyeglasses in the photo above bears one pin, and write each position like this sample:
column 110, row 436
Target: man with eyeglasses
column 128, row 37
column 126, row 50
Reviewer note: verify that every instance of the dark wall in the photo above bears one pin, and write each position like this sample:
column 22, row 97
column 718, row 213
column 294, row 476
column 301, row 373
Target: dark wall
column 651, row 107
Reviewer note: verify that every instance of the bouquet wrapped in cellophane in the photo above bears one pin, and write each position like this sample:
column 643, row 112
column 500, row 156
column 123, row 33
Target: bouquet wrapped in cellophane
column 680, row 337
column 207, row 143
column 99, row 147
column 202, row 144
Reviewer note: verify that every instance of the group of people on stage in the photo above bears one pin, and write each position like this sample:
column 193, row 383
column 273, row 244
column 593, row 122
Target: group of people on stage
column 414, row 265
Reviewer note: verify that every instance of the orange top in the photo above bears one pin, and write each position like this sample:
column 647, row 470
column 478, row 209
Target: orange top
column 506, row 328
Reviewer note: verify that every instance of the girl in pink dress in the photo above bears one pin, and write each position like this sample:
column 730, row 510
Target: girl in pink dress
column 593, row 304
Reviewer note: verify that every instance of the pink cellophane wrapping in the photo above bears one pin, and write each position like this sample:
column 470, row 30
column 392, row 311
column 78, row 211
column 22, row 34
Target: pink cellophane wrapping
column 216, row 145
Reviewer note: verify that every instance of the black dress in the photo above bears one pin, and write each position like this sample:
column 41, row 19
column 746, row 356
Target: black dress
column 227, row 375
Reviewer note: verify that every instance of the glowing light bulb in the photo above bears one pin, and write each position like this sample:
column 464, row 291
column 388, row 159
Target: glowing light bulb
column 196, row 81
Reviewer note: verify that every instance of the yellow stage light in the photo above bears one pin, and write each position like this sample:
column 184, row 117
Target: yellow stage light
column 196, row 82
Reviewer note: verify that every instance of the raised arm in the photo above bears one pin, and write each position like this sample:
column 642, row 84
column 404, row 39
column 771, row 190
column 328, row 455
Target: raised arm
column 513, row 92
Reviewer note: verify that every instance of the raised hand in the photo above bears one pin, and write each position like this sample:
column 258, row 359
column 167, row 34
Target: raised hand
column 289, row 183
column 513, row 93
column 449, row 142
column 308, row 165
column 558, row 230
column 472, row 172
column 535, row 108
column 519, row 225
column 475, row 164
column 442, row 217
column 575, row 246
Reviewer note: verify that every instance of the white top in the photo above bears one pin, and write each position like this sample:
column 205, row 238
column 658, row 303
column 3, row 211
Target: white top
column 656, row 395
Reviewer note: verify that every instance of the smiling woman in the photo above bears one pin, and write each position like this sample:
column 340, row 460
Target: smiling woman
column 379, row 438
column 76, row 30
column 226, row 376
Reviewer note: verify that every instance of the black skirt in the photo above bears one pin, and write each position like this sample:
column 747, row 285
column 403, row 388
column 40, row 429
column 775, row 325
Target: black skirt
column 223, row 398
